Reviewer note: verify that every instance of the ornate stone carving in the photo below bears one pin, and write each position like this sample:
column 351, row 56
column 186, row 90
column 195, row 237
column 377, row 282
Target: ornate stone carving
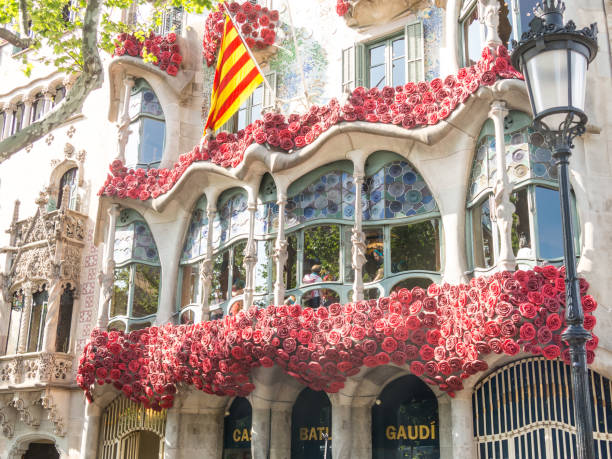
column 71, row 131
column 358, row 249
column 43, row 367
column 28, row 414
column 46, row 401
column 488, row 14
column 49, row 139
column 68, row 150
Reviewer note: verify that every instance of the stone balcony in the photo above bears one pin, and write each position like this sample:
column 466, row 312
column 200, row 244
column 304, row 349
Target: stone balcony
column 35, row 369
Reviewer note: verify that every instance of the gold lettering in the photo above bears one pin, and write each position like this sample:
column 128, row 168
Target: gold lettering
column 236, row 435
column 390, row 433
column 303, row 433
column 433, row 430
column 401, row 433
column 411, row 435
column 313, row 434
column 321, row 430
column 423, row 432
column 245, row 435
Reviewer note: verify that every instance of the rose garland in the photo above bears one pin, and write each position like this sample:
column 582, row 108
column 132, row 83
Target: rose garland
column 165, row 49
column 441, row 333
column 410, row 106
column 342, row 7
column 257, row 26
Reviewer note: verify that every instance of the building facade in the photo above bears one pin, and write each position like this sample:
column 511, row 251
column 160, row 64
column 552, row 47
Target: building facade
column 414, row 222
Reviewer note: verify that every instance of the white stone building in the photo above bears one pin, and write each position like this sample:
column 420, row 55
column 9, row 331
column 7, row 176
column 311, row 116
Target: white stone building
column 205, row 240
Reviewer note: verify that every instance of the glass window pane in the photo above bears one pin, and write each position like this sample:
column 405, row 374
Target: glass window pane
column 550, row 229
column 373, row 269
column 412, row 282
column 152, row 140
column 150, row 104
column 220, row 278
column 258, row 95
column 398, row 47
column 320, row 297
column 62, row 340
column 242, row 118
column 187, row 317
column 368, row 294
column 139, row 326
column 321, row 254
column 291, row 265
column 265, row 274
column 116, row 325
column 415, row 246
column 399, row 72
column 135, row 104
column 133, row 144
column 377, row 76
column 521, row 235
column 120, row 292
column 349, row 272
column 472, row 40
column 377, row 55
column 190, row 287
column 505, row 23
column 482, row 236
column 146, row 290
column 60, row 93
column 526, row 12
column 35, row 317
column 238, row 269
column 17, row 119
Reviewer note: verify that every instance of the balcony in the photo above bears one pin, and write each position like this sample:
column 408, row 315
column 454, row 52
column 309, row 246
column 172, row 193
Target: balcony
column 35, row 369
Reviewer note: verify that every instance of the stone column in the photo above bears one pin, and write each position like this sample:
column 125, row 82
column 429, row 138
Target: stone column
column 123, row 126
column 91, row 429
column 462, row 425
column 106, row 277
column 53, row 307
column 9, row 109
column 200, row 435
column 260, row 431
column 280, row 249
column 358, row 242
column 488, row 14
column 341, row 428
column 280, row 441
column 27, row 111
column 503, row 207
column 362, row 432
column 172, row 443
column 445, row 427
column 206, row 266
column 25, row 318
column 250, row 257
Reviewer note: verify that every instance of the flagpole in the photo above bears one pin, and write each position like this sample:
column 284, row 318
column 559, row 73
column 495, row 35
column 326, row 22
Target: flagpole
column 248, row 49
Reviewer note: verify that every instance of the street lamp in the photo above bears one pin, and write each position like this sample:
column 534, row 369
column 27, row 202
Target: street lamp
column 554, row 58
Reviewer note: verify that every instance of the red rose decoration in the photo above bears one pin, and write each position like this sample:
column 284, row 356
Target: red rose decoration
column 588, row 304
column 510, row 347
column 551, row 352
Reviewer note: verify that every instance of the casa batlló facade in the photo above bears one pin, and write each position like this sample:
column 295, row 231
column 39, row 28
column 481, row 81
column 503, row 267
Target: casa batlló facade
column 365, row 262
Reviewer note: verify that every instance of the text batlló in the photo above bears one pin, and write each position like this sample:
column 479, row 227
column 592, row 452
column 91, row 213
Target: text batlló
column 313, row 433
column 418, row 432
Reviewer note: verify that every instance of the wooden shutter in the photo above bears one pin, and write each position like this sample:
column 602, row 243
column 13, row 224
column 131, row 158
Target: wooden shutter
column 353, row 67
column 414, row 52
column 269, row 95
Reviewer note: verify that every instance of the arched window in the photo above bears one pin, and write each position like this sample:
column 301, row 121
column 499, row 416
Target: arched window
column 514, row 18
column 137, row 274
column 405, row 421
column 69, row 178
column 230, row 230
column 36, row 327
column 131, row 430
column 401, row 223
column 311, row 425
column 14, row 328
column 17, row 118
column 194, row 250
column 237, row 430
column 536, row 225
column 3, row 116
column 40, row 448
column 266, row 224
column 60, row 94
column 532, row 414
column 145, row 145
column 38, row 107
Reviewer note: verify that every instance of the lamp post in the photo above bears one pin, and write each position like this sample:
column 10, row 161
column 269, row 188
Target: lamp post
column 554, row 58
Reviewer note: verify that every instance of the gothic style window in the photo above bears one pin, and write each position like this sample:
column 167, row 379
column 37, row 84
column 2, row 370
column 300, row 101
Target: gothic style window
column 17, row 118
column 171, row 20
column 69, row 178
column 14, row 328
column 146, row 143
column 62, row 340
column 536, row 223
column 137, row 274
column 37, row 320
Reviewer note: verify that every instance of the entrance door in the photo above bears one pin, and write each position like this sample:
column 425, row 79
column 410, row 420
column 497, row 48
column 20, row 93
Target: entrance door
column 41, row 451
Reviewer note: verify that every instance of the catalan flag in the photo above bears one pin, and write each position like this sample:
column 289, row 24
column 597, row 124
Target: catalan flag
column 236, row 77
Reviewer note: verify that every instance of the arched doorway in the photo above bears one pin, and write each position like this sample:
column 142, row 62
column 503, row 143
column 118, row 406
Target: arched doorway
column 311, row 425
column 129, row 431
column 41, row 449
column 237, row 430
column 525, row 409
column 405, row 421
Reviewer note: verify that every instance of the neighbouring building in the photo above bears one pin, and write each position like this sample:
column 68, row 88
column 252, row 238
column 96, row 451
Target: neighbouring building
column 414, row 221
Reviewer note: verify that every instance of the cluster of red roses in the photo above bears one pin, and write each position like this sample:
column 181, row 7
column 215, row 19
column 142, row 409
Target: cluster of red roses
column 165, row 49
column 441, row 333
column 257, row 26
column 342, row 7
column 410, row 106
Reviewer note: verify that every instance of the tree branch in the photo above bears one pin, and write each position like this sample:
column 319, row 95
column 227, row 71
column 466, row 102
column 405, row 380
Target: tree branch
column 15, row 39
column 91, row 78
column 25, row 17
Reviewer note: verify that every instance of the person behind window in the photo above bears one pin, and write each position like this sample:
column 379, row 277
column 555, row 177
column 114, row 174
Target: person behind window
column 290, row 300
column 313, row 278
column 217, row 314
column 238, row 284
column 236, row 308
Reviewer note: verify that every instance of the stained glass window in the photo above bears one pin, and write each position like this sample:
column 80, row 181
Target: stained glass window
column 197, row 233
column 232, row 219
column 331, row 196
column 396, row 190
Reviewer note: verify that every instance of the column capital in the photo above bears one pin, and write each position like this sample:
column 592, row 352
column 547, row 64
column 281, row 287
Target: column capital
column 114, row 210
column 498, row 109
column 128, row 81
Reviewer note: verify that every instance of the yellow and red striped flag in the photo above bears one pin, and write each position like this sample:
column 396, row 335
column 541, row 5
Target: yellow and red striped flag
column 236, row 77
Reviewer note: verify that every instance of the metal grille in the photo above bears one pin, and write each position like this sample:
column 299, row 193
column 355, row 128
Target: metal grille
column 525, row 410
column 121, row 423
